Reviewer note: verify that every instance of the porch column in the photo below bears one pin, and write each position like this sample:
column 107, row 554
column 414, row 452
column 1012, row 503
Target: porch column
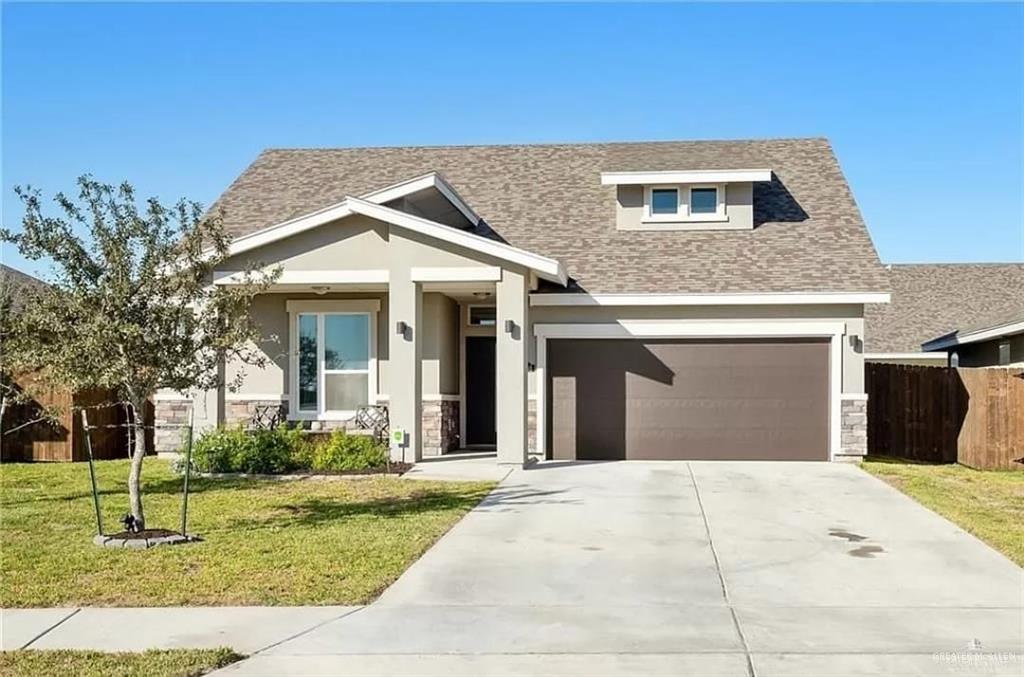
column 405, row 363
column 511, row 368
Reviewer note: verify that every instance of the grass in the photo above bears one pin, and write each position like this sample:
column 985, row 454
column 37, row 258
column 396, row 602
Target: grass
column 265, row 541
column 170, row 663
column 986, row 503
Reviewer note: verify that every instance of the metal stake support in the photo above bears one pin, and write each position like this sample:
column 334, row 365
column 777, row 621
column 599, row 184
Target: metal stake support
column 188, row 469
column 92, row 474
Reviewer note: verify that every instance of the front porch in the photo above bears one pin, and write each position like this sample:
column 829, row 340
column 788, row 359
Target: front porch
column 443, row 349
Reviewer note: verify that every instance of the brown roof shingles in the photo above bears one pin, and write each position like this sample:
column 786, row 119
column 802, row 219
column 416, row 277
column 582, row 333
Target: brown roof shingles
column 930, row 300
column 809, row 234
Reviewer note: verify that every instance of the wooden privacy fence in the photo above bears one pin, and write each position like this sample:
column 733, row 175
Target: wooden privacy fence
column 943, row 415
column 64, row 440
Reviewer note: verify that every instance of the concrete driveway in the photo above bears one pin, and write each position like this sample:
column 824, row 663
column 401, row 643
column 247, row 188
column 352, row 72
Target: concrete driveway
column 646, row 568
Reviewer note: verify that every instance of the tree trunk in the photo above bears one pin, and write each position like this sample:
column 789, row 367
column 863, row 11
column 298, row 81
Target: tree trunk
column 138, row 420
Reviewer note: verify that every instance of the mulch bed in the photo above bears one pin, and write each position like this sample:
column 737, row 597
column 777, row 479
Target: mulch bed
column 142, row 540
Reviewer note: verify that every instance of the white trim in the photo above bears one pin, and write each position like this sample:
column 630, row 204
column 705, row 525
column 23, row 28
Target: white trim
column 369, row 307
column 929, row 357
column 547, row 268
column 974, row 336
column 254, row 397
column 854, row 397
column 415, row 185
column 687, row 176
column 457, row 274
column 333, row 306
column 834, row 330
column 772, row 299
column 226, row 277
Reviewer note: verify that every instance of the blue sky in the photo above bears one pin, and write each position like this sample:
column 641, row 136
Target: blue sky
column 924, row 103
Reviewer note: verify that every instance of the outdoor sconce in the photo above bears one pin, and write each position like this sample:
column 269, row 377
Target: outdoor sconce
column 401, row 328
column 510, row 326
column 856, row 343
column 530, row 366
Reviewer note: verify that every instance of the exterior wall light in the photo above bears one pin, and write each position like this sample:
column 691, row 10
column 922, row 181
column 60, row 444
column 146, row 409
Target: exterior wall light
column 401, row 328
column 510, row 326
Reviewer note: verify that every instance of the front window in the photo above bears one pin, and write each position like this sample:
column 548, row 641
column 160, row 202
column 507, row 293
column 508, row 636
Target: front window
column 664, row 200
column 703, row 200
column 334, row 362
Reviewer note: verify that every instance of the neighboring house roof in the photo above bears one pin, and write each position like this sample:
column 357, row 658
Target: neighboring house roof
column 13, row 280
column 548, row 199
column 995, row 326
column 933, row 299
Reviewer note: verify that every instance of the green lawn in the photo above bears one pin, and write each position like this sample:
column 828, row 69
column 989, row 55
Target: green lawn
column 265, row 541
column 173, row 663
column 987, row 503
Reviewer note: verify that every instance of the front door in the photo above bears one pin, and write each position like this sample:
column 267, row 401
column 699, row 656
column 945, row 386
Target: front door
column 480, row 392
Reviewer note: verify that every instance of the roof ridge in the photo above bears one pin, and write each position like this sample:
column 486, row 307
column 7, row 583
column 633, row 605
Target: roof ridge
column 564, row 144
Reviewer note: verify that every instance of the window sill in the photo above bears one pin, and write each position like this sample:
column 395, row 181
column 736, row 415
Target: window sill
column 700, row 218
column 331, row 416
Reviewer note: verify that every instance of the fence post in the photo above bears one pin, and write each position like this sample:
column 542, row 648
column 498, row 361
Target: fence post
column 188, row 469
column 92, row 474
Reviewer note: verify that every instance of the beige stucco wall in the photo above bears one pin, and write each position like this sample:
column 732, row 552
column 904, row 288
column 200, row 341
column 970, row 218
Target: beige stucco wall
column 440, row 336
column 852, row 315
column 739, row 208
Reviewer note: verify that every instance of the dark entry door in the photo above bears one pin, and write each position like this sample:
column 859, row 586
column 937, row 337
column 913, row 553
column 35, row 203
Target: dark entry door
column 480, row 393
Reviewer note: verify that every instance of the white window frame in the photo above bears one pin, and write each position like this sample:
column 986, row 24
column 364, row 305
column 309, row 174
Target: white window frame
column 683, row 202
column 370, row 308
column 719, row 212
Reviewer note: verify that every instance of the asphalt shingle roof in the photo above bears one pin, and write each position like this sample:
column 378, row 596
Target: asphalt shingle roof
column 809, row 234
column 933, row 299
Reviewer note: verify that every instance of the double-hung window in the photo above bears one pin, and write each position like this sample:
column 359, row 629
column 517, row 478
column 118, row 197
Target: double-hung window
column 334, row 362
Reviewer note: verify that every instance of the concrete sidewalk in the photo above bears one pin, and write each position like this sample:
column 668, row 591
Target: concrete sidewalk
column 247, row 630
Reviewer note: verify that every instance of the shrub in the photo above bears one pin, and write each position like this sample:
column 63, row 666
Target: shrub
column 238, row 450
column 348, row 452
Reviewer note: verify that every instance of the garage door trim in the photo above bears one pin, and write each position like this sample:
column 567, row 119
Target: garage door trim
column 655, row 329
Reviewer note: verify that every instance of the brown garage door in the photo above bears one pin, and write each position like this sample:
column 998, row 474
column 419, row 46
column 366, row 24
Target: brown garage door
column 721, row 399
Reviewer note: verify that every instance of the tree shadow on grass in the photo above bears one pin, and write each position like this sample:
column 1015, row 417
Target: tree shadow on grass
column 317, row 511
column 168, row 486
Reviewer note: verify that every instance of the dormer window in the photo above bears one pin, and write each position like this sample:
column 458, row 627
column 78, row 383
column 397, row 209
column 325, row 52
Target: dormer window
column 684, row 204
column 704, row 200
column 664, row 201
column 687, row 199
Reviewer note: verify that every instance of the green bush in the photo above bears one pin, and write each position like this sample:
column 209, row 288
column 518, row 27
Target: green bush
column 343, row 452
column 267, row 452
column 238, row 450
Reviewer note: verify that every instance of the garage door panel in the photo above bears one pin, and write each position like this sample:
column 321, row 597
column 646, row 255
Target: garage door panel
column 741, row 399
